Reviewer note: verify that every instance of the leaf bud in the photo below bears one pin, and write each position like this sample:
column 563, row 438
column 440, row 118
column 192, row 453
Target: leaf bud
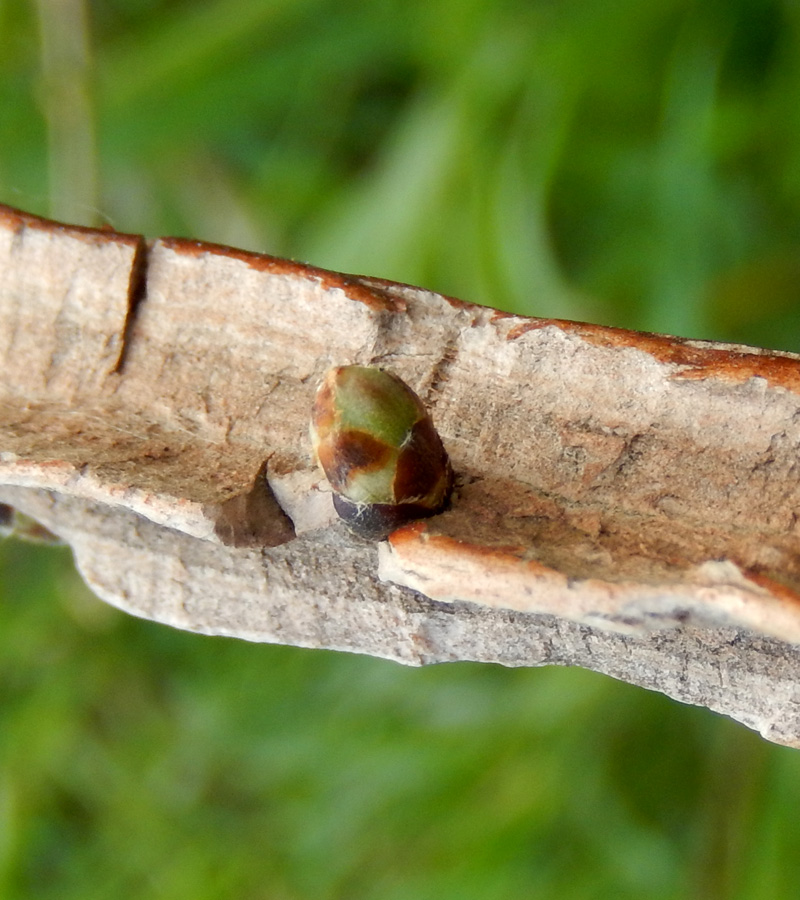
column 379, row 450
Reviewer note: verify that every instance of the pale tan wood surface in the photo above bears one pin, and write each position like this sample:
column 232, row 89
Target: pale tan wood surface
column 625, row 502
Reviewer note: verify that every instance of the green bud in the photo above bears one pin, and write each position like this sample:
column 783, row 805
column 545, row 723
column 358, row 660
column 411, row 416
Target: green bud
column 379, row 450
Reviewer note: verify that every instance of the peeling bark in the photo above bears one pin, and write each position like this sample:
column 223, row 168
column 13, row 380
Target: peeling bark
column 625, row 502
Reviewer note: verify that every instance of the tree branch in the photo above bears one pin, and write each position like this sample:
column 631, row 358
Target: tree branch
column 625, row 502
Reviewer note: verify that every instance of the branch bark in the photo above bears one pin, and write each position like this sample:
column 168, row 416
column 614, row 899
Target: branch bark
column 625, row 502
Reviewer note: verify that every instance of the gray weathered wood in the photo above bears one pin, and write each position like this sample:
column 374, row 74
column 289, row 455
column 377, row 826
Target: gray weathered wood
column 625, row 502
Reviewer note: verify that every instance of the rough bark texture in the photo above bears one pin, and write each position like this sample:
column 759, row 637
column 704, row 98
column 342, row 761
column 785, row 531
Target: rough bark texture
column 625, row 502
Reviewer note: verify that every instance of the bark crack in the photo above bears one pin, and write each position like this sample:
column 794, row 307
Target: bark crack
column 137, row 291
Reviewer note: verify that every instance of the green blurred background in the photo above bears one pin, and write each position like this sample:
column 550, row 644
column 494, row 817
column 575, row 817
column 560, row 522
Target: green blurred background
column 621, row 162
